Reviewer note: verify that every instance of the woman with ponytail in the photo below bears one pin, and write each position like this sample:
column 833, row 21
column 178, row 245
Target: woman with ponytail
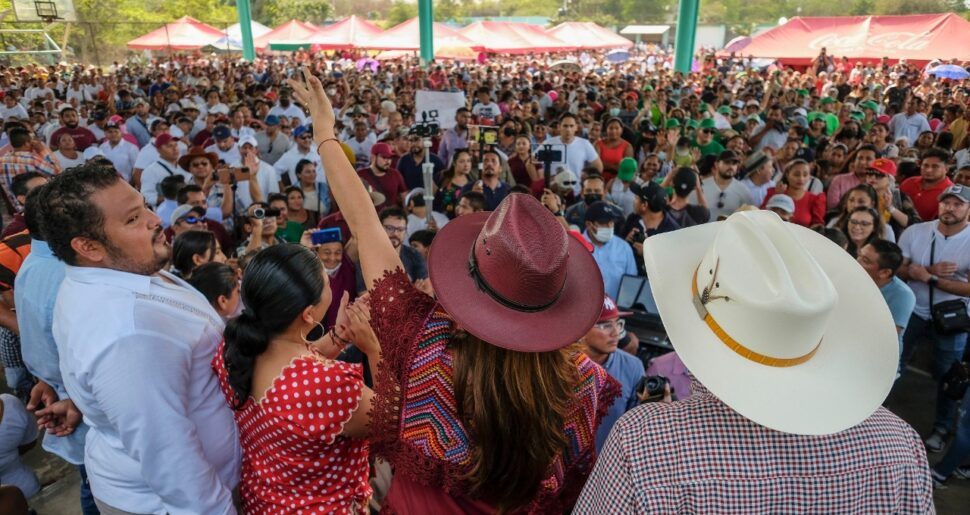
column 302, row 416
column 483, row 404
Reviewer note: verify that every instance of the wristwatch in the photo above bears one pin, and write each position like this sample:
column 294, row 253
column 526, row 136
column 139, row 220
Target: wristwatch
column 932, row 280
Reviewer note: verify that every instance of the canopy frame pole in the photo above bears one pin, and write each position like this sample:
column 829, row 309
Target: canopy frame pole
column 426, row 26
column 245, row 29
column 686, row 34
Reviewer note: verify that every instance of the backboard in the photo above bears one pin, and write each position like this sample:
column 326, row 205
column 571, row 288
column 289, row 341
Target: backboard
column 44, row 10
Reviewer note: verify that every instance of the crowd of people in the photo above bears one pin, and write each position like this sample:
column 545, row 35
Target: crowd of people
column 223, row 277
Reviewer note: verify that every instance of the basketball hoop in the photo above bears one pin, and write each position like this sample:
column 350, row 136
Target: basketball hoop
column 46, row 10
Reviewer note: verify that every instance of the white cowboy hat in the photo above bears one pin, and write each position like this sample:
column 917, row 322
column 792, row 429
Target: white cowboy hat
column 796, row 336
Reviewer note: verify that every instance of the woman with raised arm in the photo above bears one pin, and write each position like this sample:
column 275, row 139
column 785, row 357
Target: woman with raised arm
column 482, row 402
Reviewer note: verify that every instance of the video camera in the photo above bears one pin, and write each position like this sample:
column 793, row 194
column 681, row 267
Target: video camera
column 428, row 126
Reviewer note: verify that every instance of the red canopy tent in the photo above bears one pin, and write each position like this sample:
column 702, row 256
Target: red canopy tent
column 185, row 33
column 918, row 39
column 586, row 34
column 350, row 32
column 513, row 38
column 292, row 33
column 407, row 36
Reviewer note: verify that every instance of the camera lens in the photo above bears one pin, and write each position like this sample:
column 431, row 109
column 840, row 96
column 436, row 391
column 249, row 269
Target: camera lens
column 259, row 213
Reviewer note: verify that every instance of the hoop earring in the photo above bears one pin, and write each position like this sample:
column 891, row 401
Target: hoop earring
column 315, row 334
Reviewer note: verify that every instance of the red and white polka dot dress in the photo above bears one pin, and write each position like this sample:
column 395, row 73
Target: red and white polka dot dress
column 294, row 458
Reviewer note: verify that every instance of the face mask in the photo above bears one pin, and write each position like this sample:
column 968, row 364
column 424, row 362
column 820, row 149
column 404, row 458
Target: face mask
column 603, row 234
column 331, row 92
column 614, row 111
column 592, row 197
column 332, row 271
column 508, row 131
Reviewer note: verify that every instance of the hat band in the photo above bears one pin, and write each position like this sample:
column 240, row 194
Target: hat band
column 483, row 285
column 736, row 346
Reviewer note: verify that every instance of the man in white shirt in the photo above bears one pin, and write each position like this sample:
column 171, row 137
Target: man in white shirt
column 578, row 152
column 165, row 166
column 225, row 145
column 287, row 108
column 272, row 142
column 135, row 344
column 485, row 110
column 759, row 169
column 910, row 123
column 286, row 166
column 724, row 194
column 361, row 143
column 263, row 173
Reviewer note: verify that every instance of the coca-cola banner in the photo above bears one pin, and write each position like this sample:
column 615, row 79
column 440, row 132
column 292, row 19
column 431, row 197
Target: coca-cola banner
column 918, row 38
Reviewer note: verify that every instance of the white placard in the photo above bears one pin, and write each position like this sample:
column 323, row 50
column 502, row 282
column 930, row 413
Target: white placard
column 445, row 102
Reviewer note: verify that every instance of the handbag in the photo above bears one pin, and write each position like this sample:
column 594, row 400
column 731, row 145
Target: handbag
column 956, row 381
column 950, row 316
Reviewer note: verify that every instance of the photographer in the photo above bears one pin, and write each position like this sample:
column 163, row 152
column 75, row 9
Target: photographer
column 774, row 132
column 259, row 225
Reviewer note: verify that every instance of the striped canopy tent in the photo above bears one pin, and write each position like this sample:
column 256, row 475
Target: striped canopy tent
column 513, row 38
column 292, row 35
column 588, row 35
column 232, row 41
column 350, row 32
column 185, row 33
column 407, row 36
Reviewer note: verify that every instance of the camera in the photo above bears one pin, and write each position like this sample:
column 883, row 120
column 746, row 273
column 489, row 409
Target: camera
column 548, row 154
column 651, row 388
column 428, row 126
column 260, row 213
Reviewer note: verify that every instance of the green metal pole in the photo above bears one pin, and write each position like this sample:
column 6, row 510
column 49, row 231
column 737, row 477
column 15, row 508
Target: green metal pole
column 246, row 26
column 686, row 33
column 425, row 22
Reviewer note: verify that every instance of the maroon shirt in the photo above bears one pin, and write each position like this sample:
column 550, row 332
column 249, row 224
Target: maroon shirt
column 82, row 137
column 345, row 280
column 391, row 184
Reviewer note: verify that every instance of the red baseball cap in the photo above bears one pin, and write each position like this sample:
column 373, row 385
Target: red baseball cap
column 610, row 310
column 163, row 139
column 383, row 150
column 883, row 166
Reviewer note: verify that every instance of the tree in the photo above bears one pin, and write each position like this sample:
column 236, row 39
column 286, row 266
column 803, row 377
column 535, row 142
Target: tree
column 282, row 11
column 400, row 12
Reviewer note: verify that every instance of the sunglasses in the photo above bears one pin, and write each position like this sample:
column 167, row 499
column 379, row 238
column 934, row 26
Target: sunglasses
column 706, row 131
column 569, row 183
column 720, row 200
column 192, row 220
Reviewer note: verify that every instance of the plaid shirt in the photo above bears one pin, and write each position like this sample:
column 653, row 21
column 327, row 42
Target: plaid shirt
column 699, row 456
column 22, row 161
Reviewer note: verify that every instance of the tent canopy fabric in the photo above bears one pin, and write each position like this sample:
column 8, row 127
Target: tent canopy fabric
column 589, row 35
column 918, row 38
column 513, row 38
column 293, row 33
column 185, row 33
column 407, row 36
column 232, row 41
column 350, row 32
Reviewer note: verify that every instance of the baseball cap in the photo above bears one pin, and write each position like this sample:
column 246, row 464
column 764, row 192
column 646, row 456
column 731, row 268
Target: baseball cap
column 707, row 123
column 610, row 310
column 164, row 139
column 648, row 191
column 959, row 191
column 383, row 150
column 112, row 125
column 673, row 123
column 725, row 110
column 781, row 201
column 184, row 210
column 300, row 131
column 627, row 169
column 600, row 211
column 221, row 132
column 827, row 100
column 728, row 155
column 739, row 104
column 805, row 153
column 684, row 181
column 883, row 166
column 754, row 103
column 247, row 139
column 272, row 120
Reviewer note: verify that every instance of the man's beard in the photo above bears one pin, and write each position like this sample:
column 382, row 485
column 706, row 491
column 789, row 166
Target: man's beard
column 71, row 125
column 953, row 219
column 120, row 261
column 382, row 168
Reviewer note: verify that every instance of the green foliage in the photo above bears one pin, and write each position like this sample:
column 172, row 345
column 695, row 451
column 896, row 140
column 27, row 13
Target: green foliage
column 278, row 12
column 400, row 11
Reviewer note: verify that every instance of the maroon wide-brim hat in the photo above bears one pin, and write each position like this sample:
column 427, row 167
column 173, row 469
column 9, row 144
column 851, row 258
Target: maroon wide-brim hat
column 514, row 278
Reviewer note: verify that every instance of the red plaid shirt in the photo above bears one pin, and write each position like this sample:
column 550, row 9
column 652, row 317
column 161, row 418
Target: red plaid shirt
column 699, row 456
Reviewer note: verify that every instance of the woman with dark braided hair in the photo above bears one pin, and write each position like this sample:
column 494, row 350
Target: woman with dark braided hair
column 302, row 416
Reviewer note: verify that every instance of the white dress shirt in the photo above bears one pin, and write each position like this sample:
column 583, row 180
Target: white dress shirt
column 122, row 156
column 153, row 175
column 287, row 164
column 135, row 353
column 268, row 181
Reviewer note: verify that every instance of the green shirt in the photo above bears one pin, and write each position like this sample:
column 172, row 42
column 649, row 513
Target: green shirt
column 712, row 148
column 291, row 233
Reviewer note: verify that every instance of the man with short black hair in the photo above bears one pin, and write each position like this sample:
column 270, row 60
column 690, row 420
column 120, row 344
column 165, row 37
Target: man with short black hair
column 121, row 152
column 83, row 138
column 882, row 259
column 470, row 202
column 28, row 155
column 494, row 189
column 578, row 152
column 120, row 318
column 724, row 194
column 932, row 181
column 395, row 223
column 21, row 186
column 593, row 190
column 612, row 254
column 455, row 138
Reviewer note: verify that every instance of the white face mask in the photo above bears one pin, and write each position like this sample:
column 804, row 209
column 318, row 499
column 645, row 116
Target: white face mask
column 603, row 234
column 331, row 92
column 332, row 271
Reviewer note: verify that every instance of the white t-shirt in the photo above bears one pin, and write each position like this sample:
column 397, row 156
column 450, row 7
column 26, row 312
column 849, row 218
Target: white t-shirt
column 17, row 111
column 577, row 154
column 287, row 164
column 291, row 112
column 917, row 241
column 489, row 111
column 153, row 174
column 122, row 156
column 67, row 162
column 361, row 149
column 268, row 183
column 735, row 195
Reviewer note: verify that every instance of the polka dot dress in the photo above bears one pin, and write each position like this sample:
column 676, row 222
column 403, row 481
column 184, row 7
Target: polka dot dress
column 294, row 457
